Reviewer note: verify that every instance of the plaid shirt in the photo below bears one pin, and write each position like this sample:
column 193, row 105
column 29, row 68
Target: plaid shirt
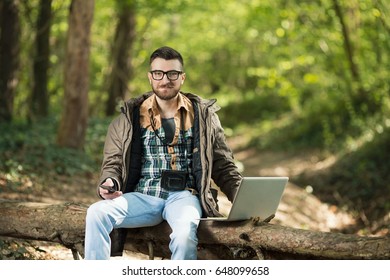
column 157, row 155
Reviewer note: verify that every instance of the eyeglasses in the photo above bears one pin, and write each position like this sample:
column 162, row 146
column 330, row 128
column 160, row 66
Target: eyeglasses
column 172, row 75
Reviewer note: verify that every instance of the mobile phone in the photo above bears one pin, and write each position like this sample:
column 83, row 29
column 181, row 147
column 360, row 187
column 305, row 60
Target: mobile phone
column 110, row 189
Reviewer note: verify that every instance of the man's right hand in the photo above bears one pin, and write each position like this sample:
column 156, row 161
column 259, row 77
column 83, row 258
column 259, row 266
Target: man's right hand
column 105, row 193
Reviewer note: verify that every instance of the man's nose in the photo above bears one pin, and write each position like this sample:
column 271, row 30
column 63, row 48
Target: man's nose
column 165, row 78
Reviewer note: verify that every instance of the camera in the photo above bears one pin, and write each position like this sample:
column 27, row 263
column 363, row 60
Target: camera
column 174, row 180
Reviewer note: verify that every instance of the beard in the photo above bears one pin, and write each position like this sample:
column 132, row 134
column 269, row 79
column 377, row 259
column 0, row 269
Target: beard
column 166, row 92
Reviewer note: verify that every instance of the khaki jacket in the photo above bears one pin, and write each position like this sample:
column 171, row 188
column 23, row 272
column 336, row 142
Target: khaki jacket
column 212, row 159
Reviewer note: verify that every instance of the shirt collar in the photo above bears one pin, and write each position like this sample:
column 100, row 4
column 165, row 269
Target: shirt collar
column 152, row 107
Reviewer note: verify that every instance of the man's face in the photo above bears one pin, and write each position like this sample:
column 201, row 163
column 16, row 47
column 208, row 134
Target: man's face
column 165, row 88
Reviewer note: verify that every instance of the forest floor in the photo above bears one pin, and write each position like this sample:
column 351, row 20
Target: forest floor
column 299, row 207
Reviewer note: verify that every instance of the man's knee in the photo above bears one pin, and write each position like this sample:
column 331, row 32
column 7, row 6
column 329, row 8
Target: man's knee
column 96, row 212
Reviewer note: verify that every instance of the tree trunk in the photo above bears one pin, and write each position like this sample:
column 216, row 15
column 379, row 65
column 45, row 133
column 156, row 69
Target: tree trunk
column 361, row 100
column 349, row 50
column 74, row 118
column 39, row 106
column 9, row 56
column 120, row 56
column 64, row 223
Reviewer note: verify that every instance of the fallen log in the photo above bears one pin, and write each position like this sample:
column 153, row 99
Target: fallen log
column 64, row 224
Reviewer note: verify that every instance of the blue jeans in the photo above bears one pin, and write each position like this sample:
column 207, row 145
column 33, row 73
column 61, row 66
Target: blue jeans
column 133, row 210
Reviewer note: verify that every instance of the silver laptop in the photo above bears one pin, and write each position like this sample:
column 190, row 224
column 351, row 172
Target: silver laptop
column 256, row 197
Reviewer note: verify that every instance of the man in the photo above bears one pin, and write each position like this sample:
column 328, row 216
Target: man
column 160, row 157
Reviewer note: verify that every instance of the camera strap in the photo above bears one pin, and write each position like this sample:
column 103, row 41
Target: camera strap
column 165, row 142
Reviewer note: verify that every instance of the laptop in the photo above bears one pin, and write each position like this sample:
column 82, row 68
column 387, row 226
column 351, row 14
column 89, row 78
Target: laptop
column 256, row 197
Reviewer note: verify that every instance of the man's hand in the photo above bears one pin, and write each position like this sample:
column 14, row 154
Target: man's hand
column 106, row 193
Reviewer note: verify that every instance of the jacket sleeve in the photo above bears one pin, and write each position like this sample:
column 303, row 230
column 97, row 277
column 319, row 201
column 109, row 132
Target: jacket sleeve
column 112, row 164
column 225, row 172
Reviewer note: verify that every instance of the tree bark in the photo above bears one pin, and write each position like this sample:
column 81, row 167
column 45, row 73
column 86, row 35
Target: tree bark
column 120, row 55
column 64, row 223
column 360, row 98
column 9, row 56
column 39, row 97
column 74, row 118
column 349, row 50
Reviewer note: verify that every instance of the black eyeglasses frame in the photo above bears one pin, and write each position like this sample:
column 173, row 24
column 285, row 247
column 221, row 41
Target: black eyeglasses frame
column 167, row 73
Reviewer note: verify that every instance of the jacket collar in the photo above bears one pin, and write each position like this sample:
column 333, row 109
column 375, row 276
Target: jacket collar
column 184, row 101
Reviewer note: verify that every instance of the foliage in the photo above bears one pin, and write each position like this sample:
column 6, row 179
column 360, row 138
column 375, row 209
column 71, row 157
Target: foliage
column 280, row 70
column 10, row 250
column 16, row 249
column 284, row 58
column 30, row 149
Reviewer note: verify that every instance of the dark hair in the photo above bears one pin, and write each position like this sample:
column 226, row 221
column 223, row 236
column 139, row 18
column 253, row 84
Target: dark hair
column 166, row 53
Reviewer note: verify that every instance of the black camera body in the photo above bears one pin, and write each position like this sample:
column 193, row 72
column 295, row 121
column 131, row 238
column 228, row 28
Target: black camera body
column 174, row 180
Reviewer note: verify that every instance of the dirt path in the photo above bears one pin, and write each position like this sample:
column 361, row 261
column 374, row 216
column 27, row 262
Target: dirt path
column 299, row 207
